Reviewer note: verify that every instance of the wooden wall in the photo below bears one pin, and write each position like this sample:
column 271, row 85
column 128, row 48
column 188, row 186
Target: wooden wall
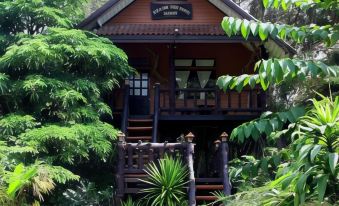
column 139, row 12
column 230, row 58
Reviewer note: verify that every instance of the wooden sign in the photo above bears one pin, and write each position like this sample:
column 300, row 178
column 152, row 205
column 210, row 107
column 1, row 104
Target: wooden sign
column 169, row 10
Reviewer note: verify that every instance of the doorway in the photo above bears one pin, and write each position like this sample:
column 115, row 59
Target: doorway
column 139, row 94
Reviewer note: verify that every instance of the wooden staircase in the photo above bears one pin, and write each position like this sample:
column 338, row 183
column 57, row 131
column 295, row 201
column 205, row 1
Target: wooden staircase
column 139, row 129
column 204, row 188
column 133, row 156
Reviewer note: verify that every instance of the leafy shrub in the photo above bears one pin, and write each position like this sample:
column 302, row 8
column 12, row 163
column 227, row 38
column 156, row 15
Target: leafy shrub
column 87, row 193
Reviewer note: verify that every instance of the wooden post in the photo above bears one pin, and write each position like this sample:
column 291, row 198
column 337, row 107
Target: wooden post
column 190, row 152
column 172, row 78
column 121, row 165
column 217, row 101
column 156, row 112
column 125, row 113
column 224, row 156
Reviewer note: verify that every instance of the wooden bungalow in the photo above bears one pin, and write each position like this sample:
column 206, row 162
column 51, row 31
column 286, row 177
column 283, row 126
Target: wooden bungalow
column 179, row 49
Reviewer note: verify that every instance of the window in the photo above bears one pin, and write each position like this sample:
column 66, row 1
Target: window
column 139, row 84
column 195, row 74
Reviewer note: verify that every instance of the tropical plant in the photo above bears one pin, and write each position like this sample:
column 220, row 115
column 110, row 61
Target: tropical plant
column 53, row 80
column 306, row 170
column 166, row 180
column 87, row 193
column 130, row 202
column 314, row 169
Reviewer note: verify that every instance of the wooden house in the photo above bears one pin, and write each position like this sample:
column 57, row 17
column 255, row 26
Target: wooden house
column 179, row 50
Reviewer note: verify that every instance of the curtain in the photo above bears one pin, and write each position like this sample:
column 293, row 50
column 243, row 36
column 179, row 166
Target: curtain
column 181, row 78
column 203, row 76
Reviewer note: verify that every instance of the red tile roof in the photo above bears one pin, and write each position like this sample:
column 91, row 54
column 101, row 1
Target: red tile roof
column 161, row 29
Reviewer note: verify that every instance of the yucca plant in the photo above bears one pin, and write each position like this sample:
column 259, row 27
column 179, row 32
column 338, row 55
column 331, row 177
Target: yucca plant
column 166, row 180
column 130, row 202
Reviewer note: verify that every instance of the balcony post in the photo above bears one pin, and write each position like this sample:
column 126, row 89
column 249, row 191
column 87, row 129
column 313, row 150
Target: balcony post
column 190, row 152
column 172, row 78
column 224, row 156
column 125, row 113
column 156, row 112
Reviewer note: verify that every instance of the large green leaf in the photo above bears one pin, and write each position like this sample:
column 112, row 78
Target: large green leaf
column 321, row 186
column 275, row 71
column 327, row 34
column 314, row 152
column 333, row 161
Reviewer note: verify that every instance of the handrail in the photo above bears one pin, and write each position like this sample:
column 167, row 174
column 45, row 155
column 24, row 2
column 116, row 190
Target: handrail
column 156, row 112
column 125, row 113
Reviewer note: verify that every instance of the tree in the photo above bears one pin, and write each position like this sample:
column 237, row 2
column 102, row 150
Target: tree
column 306, row 169
column 52, row 82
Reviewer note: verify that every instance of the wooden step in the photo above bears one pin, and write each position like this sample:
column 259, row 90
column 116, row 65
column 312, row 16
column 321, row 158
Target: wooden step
column 206, row 198
column 137, row 175
column 140, row 120
column 139, row 128
column 137, row 156
column 139, row 138
column 140, row 117
column 209, row 187
column 208, row 180
column 134, row 180
column 132, row 190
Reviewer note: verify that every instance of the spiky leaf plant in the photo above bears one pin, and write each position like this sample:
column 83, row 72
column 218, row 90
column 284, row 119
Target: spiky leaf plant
column 166, row 180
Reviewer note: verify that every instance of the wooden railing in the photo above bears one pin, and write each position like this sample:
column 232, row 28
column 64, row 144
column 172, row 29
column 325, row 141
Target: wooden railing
column 212, row 101
column 134, row 156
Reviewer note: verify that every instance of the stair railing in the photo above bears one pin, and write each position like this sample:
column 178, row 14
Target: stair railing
column 125, row 113
column 156, row 112
column 224, row 161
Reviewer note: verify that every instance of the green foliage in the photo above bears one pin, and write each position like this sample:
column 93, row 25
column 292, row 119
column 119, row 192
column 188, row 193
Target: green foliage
column 276, row 71
column 15, row 124
column 302, row 4
column 304, row 172
column 71, row 144
column 130, row 202
column 87, row 193
column 327, row 34
column 23, row 180
column 267, row 124
column 166, row 180
column 52, row 82
column 314, row 170
column 62, row 50
column 40, row 13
